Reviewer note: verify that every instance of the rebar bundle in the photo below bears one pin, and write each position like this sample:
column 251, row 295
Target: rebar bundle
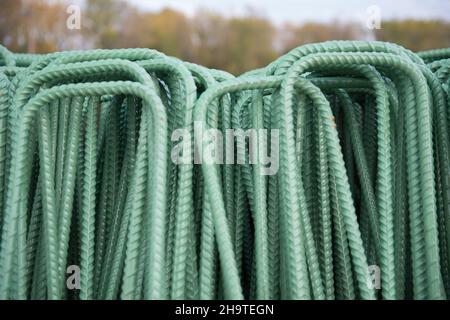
column 326, row 176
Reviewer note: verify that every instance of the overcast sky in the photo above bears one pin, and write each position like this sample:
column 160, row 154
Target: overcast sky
column 298, row 11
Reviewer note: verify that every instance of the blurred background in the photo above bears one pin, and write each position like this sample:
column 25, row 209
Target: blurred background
column 233, row 35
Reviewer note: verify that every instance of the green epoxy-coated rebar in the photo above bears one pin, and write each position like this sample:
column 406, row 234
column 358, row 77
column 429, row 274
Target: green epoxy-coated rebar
column 106, row 175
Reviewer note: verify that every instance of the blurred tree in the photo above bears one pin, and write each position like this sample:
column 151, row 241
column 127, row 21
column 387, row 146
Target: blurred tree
column 248, row 44
column 208, row 47
column 170, row 32
column 116, row 24
column 294, row 35
column 103, row 22
column 9, row 16
column 135, row 33
column 33, row 25
column 207, row 38
column 416, row 34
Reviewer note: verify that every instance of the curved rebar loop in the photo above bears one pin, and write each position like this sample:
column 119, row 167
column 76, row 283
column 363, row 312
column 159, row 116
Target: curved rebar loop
column 18, row 180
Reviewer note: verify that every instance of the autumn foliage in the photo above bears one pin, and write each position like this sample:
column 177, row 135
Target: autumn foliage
column 234, row 44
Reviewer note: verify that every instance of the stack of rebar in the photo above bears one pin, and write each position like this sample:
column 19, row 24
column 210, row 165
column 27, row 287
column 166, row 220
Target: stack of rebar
column 130, row 174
